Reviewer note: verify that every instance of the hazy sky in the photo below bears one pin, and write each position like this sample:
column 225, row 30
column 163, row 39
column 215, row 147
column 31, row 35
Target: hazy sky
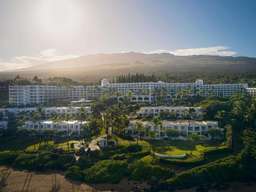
column 45, row 30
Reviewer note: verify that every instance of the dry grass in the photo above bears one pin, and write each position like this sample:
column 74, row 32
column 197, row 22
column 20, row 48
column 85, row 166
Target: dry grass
column 45, row 182
column 41, row 182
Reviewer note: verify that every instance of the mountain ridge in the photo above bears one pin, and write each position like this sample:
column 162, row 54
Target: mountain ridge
column 101, row 65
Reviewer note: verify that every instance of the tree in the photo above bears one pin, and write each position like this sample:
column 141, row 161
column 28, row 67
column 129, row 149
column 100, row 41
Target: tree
column 239, row 114
column 139, row 129
column 158, row 125
column 82, row 114
column 229, row 134
column 37, row 80
column 172, row 133
column 194, row 137
column 216, row 134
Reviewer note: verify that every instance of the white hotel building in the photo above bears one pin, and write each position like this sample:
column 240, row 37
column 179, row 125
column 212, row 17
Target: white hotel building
column 68, row 127
column 179, row 111
column 47, row 111
column 185, row 127
column 139, row 92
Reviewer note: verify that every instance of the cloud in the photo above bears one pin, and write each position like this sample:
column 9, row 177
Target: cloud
column 216, row 50
column 23, row 62
column 159, row 51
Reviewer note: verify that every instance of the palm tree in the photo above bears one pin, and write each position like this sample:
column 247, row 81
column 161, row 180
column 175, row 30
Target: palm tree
column 82, row 114
column 157, row 122
column 139, row 128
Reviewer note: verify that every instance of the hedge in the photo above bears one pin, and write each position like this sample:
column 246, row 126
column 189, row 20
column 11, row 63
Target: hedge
column 106, row 171
column 8, row 157
column 218, row 171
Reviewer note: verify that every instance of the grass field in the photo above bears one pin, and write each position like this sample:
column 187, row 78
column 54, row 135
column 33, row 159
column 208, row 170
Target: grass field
column 193, row 150
column 65, row 146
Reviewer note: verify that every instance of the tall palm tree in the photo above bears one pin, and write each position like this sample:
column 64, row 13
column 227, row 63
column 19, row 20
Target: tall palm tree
column 157, row 123
column 139, row 128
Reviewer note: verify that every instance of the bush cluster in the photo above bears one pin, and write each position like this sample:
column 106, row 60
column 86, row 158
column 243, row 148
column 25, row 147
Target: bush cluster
column 219, row 171
column 106, row 171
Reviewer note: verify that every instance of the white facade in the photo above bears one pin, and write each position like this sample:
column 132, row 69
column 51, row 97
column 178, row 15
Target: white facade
column 251, row 92
column 139, row 92
column 185, row 127
column 65, row 110
column 60, row 126
column 48, row 111
column 179, row 111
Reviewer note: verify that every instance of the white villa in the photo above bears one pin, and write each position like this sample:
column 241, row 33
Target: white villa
column 252, row 91
column 48, row 111
column 62, row 126
column 184, row 127
column 179, row 111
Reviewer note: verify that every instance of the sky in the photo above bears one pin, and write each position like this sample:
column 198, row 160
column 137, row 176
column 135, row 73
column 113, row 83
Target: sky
column 34, row 31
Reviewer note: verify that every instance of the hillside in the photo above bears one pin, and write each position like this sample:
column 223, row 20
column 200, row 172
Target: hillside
column 94, row 67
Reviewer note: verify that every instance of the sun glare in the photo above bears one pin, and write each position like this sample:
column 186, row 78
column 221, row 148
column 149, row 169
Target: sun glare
column 59, row 16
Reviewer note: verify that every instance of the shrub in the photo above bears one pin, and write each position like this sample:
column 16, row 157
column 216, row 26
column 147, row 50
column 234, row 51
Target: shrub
column 215, row 172
column 43, row 161
column 25, row 161
column 143, row 169
column 74, row 173
column 8, row 157
column 85, row 162
column 106, row 171
column 133, row 148
column 218, row 152
column 64, row 161
column 121, row 156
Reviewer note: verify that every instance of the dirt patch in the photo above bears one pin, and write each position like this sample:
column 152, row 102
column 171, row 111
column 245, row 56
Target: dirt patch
column 23, row 181
column 124, row 186
column 19, row 181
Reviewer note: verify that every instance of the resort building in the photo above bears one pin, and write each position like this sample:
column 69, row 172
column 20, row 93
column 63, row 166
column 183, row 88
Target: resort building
column 47, row 111
column 251, row 92
column 183, row 127
column 68, row 127
column 146, row 92
column 178, row 111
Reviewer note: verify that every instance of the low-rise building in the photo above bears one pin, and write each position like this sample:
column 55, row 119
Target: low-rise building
column 251, row 91
column 47, row 111
column 178, row 111
column 68, row 127
column 66, row 110
column 183, row 127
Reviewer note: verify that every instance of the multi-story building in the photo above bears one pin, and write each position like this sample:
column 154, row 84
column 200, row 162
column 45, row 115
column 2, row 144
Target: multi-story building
column 47, row 111
column 41, row 94
column 136, row 92
column 178, row 111
column 68, row 127
column 251, row 92
column 184, row 127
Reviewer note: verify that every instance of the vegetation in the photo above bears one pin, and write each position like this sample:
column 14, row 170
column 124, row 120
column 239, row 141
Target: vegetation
column 225, row 158
column 106, row 171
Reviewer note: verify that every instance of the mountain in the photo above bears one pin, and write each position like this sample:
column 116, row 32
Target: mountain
column 94, row 67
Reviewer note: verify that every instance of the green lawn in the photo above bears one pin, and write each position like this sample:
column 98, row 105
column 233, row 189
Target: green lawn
column 65, row 146
column 193, row 150
column 124, row 143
